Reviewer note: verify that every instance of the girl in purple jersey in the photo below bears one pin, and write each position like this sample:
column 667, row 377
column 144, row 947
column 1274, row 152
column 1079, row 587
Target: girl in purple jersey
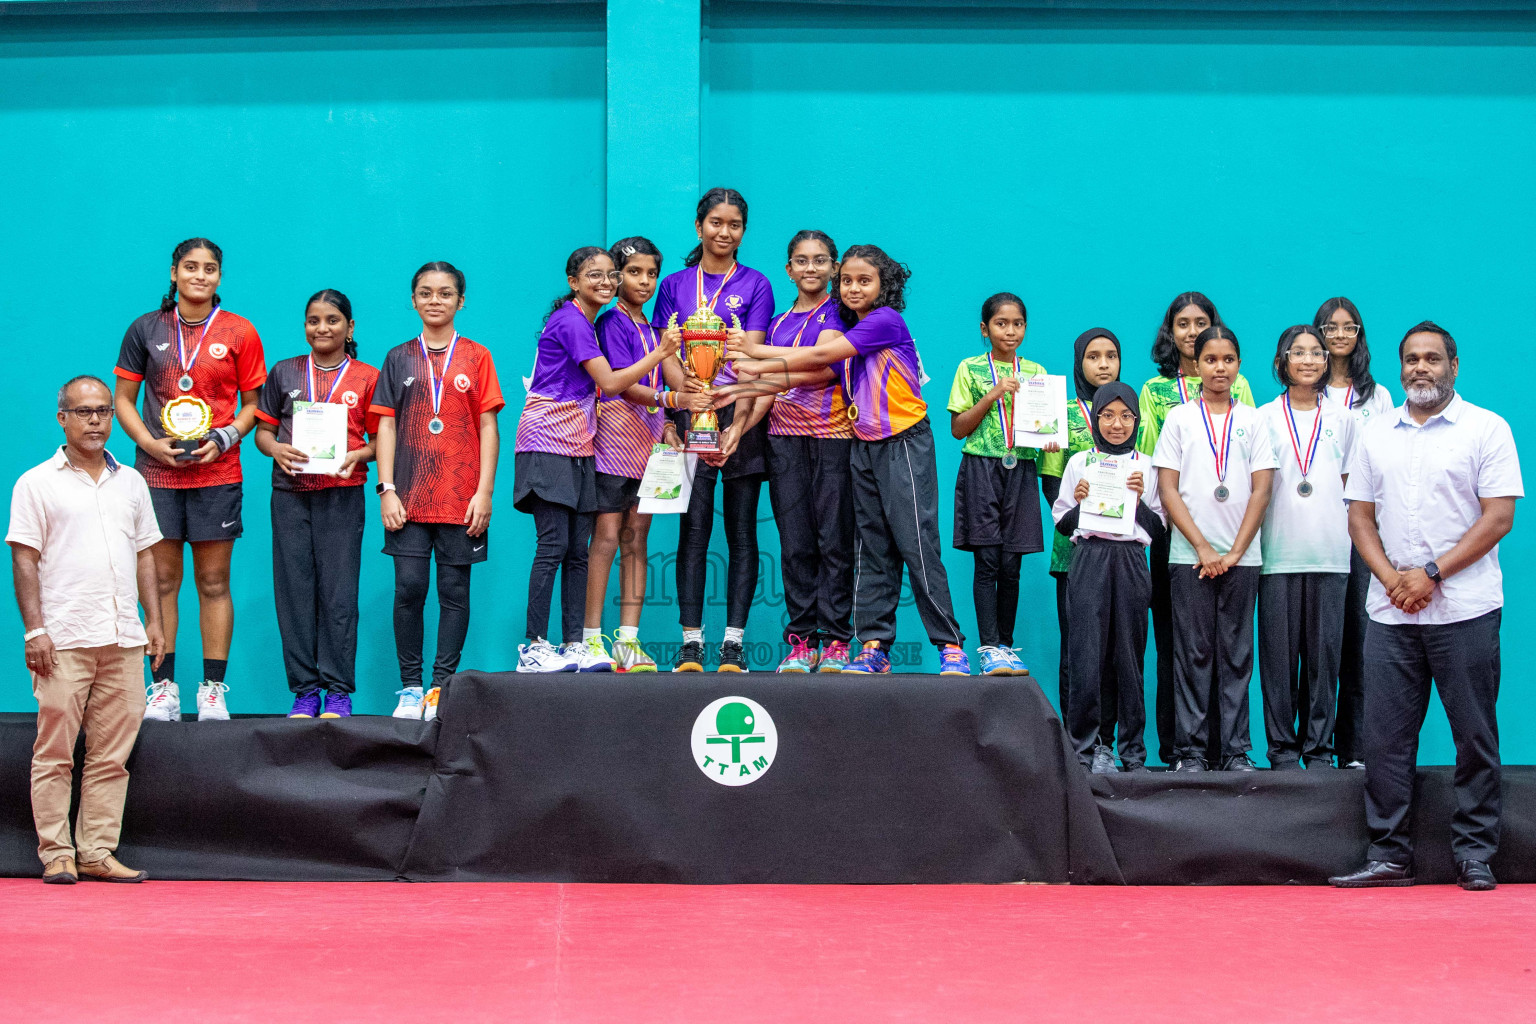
column 712, row 277
column 895, row 477
column 627, row 427
column 556, row 477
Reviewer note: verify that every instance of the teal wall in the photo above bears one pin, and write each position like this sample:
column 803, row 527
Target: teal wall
column 1095, row 162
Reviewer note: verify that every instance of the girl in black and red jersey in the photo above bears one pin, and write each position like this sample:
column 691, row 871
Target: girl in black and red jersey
column 317, row 509
column 437, row 446
column 206, row 365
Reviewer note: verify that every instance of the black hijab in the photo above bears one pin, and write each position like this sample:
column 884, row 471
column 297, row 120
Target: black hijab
column 1084, row 388
column 1108, row 393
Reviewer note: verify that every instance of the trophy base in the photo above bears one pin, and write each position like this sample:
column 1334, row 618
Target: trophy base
column 186, row 448
column 702, row 441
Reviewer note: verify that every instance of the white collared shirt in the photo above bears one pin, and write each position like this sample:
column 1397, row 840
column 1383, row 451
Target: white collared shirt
column 1426, row 481
column 90, row 533
column 1185, row 446
column 1308, row 533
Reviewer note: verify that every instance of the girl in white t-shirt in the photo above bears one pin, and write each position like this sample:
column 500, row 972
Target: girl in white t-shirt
column 1305, row 543
column 1109, row 587
column 1215, row 471
column 1351, row 387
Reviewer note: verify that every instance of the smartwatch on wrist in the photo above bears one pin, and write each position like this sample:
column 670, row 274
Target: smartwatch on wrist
column 383, row 489
column 1433, row 572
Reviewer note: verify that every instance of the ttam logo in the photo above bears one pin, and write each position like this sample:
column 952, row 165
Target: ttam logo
column 218, row 350
column 734, row 741
column 461, row 382
column 349, row 397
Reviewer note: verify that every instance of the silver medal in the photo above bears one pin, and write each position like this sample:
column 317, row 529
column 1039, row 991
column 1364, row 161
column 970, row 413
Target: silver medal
column 185, row 383
column 435, row 425
column 1010, row 460
column 1304, row 489
column 1222, row 494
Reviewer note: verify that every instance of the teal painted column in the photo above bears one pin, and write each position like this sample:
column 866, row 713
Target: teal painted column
column 653, row 118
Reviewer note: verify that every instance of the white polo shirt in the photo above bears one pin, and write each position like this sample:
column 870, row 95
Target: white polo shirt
column 1426, row 481
column 90, row 533
column 1185, row 446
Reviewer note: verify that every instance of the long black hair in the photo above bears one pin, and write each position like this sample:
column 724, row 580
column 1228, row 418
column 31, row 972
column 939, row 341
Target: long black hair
column 1164, row 352
column 1287, row 339
column 893, row 281
column 169, row 302
column 573, row 264
column 1360, row 359
column 332, row 297
column 808, row 235
column 716, row 196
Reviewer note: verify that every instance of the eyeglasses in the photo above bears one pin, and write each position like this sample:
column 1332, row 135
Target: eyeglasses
column 819, row 262
column 89, row 413
column 598, row 277
column 1335, row 330
column 1298, row 355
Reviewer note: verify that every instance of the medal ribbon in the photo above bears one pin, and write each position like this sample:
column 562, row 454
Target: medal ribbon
column 181, row 347
column 1317, row 431
column 1210, row 436
column 1005, row 424
column 699, row 282
column 341, row 371
column 1349, row 395
column 652, row 379
column 433, row 380
column 1183, row 389
column 796, row 343
column 1082, row 407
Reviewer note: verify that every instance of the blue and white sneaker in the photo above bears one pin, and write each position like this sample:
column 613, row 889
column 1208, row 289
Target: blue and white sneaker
column 953, row 662
column 871, row 661
column 541, row 656
column 591, row 655
column 995, row 661
column 1016, row 664
column 410, row 703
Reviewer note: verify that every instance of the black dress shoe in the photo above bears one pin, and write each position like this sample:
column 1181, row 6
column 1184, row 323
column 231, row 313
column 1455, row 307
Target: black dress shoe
column 1134, row 767
column 1375, row 873
column 1239, row 763
column 1475, row 876
column 1285, row 764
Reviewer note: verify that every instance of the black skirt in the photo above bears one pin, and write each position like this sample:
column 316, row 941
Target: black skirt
column 997, row 507
column 617, row 493
column 560, row 479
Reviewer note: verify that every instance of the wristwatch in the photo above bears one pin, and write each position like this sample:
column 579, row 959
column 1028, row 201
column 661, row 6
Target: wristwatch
column 1433, row 572
column 382, row 488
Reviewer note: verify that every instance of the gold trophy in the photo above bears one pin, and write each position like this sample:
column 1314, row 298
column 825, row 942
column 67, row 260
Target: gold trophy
column 702, row 353
column 188, row 420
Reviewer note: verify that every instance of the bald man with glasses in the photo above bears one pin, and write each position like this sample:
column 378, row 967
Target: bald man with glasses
column 81, row 528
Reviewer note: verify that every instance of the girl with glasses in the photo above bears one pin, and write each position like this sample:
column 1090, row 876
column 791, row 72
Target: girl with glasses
column 1351, row 387
column 206, row 364
column 1305, row 545
column 712, row 277
column 556, row 474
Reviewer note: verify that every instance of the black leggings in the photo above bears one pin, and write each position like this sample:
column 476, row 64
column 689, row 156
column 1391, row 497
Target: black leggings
column 693, row 532
column 996, row 592
column 412, row 574
column 563, row 536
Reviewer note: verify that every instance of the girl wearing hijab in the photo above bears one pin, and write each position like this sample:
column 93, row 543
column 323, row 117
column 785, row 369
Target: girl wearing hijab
column 1111, row 588
column 997, row 516
column 1095, row 362
column 1305, row 543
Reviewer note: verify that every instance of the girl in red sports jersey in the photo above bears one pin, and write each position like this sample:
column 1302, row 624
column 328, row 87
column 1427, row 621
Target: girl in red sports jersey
column 204, row 369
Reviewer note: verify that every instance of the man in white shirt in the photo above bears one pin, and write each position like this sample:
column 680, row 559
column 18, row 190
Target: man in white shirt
column 81, row 528
column 1432, row 491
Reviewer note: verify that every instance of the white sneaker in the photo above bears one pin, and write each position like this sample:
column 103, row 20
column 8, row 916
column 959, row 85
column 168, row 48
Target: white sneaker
column 631, row 656
column 210, row 702
column 163, row 703
column 591, row 655
column 429, row 704
column 410, row 703
column 541, row 656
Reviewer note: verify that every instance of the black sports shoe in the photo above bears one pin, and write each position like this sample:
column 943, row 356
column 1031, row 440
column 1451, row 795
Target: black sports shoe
column 1103, row 761
column 732, row 657
column 1239, row 763
column 1189, row 764
column 690, row 657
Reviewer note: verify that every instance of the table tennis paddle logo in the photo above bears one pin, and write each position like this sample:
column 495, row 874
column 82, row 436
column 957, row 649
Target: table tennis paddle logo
column 734, row 741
